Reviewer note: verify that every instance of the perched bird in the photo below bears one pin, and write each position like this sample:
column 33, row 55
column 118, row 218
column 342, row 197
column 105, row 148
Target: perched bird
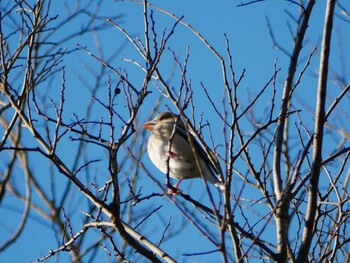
column 169, row 143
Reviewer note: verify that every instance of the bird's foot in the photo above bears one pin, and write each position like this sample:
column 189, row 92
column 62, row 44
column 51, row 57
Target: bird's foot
column 171, row 154
column 173, row 191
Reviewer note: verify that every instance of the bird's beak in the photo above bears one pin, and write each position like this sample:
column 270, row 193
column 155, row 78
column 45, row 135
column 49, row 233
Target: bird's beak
column 149, row 125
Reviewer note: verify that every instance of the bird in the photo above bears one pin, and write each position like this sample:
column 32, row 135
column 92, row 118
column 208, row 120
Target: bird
column 171, row 152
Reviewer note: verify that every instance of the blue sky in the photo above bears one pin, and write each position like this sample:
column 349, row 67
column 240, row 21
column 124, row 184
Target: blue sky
column 252, row 50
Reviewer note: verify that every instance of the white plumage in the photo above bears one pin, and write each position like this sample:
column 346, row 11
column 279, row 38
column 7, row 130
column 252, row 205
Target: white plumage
column 169, row 141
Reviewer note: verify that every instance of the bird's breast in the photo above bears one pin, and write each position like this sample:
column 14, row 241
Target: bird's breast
column 160, row 152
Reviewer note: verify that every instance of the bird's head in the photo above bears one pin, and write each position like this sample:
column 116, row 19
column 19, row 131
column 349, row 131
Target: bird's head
column 163, row 118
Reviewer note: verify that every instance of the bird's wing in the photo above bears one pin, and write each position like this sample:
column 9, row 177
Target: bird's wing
column 182, row 132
